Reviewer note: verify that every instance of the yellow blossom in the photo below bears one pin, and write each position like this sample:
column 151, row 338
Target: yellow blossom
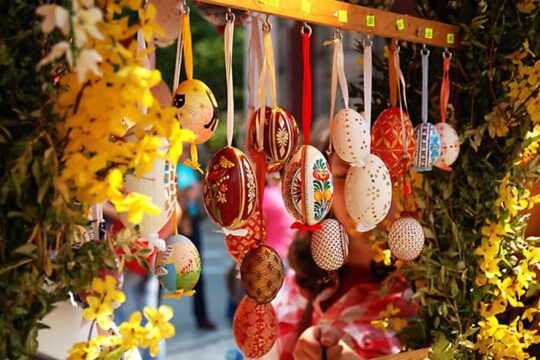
column 533, row 108
column 496, row 121
column 99, row 311
column 526, row 6
column 131, row 331
column 398, row 323
column 533, row 72
column 381, row 255
column 147, row 19
column 178, row 294
column 137, row 205
column 380, row 324
column 107, row 289
column 158, row 327
column 390, row 311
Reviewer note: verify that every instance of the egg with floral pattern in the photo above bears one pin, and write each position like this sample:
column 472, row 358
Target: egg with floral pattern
column 387, row 141
column 279, row 136
column 368, row 193
column 179, row 266
column 428, row 146
column 350, row 136
column 229, row 188
column 197, row 109
column 449, row 146
column 254, row 328
column 307, row 186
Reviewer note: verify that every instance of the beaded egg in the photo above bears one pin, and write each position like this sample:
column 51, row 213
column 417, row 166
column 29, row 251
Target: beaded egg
column 368, row 193
column 406, row 238
column 449, row 146
column 350, row 136
column 330, row 245
column 229, row 188
column 262, row 274
column 238, row 246
column 387, row 141
column 307, row 186
column 254, row 328
column 428, row 146
column 280, row 136
column 197, row 109
column 179, row 266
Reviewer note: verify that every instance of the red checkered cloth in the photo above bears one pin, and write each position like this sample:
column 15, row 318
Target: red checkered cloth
column 352, row 315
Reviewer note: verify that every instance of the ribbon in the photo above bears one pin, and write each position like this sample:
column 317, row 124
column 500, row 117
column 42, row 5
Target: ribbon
column 306, row 87
column 179, row 44
column 237, row 232
column 194, row 162
column 154, row 241
column 425, row 72
column 445, row 85
column 368, row 78
column 229, row 35
column 254, row 59
column 392, row 78
column 305, row 228
column 186, row 39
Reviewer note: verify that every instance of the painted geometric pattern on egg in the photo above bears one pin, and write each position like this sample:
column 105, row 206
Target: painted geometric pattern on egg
column 291, row 189
column 449, row 145
column 428, row 146
column 350, row 136
column 406, row 238
column 330, row 246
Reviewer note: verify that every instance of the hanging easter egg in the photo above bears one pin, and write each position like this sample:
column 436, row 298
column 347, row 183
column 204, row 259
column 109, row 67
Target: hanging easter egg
column 280, row 136
column 168, row 17
column 350, row 136
column 387, row 141
column 330, row 245
column 406, row 238
column 428, row 146
column 197, row 109
column 238, row 246
column 449, row 146
column 229, row 188
column 162, row 93
column 179, row 266
column 159, row 184
column 368, row 193
column 307, row 186
column 261, row 272
column 254, row 328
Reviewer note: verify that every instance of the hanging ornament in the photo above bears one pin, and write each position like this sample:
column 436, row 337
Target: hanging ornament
column 159, row 184
column 349, row 131
column 254, row 328
column 197, row 106
column 449, row 137
column 272, row 130
column 167, row 16
column 388, row 133
column 262, row 274
column 229, row 185
column 238, row 245
column 428, row 141
column 406, row 238
column 307, row 186
column 330, row 245
column 368, row 188
column 178, row 268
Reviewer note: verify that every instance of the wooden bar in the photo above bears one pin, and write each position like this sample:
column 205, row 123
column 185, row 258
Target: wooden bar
column 337, row 14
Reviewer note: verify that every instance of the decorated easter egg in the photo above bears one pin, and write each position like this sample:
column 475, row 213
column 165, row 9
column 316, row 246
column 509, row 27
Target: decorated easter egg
column 449, row 145
column 330, row 245
column 197, row 109
column 387, row 141
column 168, row 17
column 406, row 238
column 179, row 266
column 261, row 272
column 238, row 246
column 428, row 146
column 368, row 193
column 350, row 136
column 229, row 188
column 280, row 136
column 160, row 185
column 254, row 328
column 307, row 186
column 162, row 93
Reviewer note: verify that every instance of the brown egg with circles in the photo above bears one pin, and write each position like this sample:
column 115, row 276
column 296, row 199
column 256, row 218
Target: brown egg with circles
column 262, row 274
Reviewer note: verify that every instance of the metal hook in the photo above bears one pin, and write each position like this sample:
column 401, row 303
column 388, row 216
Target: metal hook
column 229, row 15
column 447, row 54
column 183, row 9
column 266, row 25
column 306, row 29
column 338, row 35
column 367, row 41
column 424, row 51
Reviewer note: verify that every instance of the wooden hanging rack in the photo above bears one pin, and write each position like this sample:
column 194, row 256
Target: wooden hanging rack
column 361, row 19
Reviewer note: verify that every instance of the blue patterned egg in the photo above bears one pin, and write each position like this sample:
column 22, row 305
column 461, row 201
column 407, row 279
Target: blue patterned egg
column 428, row 147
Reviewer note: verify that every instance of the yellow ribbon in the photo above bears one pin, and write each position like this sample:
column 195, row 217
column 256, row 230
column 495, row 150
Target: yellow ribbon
column 194, row 162
column 188, row 53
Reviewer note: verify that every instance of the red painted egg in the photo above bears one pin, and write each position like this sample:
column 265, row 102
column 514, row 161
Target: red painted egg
column 280, row 136
column 254, row 328
column 229, row 188
column 238, row 246
column 387, row 141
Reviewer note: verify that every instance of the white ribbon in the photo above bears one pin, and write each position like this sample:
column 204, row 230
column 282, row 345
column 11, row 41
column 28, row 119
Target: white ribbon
column 229, row 35
column 154, row 241
column 402, row 98
column 179, row 45
column 237, row 232
column 425, row 68
column 338, row 75
column 254, row 63
column 368, row 78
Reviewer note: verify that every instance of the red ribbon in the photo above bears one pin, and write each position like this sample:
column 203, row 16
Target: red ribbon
column 306, row 90
column 445, row 87
column 305, row 228
column 392, row 78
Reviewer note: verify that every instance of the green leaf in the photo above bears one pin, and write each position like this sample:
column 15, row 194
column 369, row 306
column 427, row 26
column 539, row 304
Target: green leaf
column 26, row 249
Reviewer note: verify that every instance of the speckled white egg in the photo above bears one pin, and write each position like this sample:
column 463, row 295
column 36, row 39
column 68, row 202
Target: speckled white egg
column 350, row 135
column 449, row 146
column 330, row 245
column 308, row 188
column 368, row 193
column 406, row 238
column 168, row 17
column 428, row 146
